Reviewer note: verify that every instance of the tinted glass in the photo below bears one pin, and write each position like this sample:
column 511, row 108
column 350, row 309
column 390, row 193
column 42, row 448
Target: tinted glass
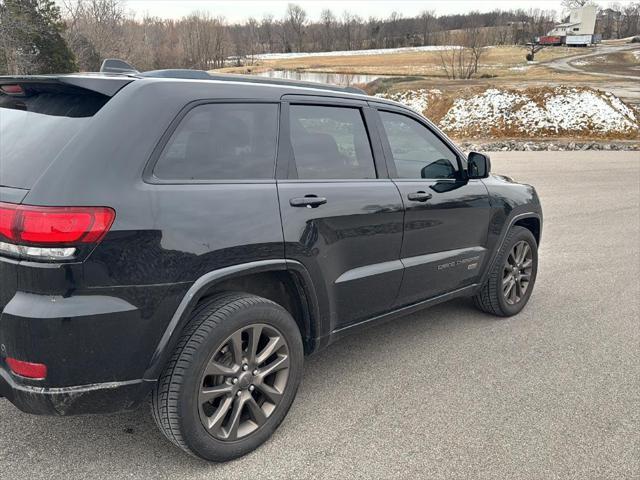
column 330, row 143
column 35, row 129
column 417, row 152
column 222, row 141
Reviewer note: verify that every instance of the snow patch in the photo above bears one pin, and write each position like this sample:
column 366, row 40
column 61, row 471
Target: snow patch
column 417, row 100
column 490, row 108
column 348, row 53
column 560, row 110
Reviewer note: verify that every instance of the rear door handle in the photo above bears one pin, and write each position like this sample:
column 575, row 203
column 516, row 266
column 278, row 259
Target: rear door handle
column 419, row 196
column 309, row 201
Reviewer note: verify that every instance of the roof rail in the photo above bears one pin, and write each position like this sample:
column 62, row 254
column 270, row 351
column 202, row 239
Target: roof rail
column 113, row 65
column 177, row 73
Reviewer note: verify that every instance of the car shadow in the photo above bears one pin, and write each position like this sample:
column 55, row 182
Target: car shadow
column 118, row 444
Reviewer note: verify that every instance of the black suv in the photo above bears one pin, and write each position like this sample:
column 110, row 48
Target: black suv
column 192, row 237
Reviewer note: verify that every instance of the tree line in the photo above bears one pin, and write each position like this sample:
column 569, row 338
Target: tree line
column 37, row 36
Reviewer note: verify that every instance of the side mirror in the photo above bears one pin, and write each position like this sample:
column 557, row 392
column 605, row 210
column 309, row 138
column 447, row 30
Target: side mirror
column 478, row 165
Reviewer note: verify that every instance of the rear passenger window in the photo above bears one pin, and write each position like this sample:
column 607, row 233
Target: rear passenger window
column 330, row 143
column 222, row 141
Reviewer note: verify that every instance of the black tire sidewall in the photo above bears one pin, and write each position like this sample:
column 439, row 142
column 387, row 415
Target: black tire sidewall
column 193, row 432
column 519, row 234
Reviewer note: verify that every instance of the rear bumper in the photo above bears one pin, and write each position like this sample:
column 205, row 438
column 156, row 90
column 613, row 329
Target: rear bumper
column 77, row 400
column 96, row 346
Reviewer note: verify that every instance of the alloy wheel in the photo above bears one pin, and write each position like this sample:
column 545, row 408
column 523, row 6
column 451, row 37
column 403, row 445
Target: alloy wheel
column 243, row 382
column 517, row 271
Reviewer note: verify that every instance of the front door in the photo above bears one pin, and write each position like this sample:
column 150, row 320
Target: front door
column 340, row 220
column 446, row 216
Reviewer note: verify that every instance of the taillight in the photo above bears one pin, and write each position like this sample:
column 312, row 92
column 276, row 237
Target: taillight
column 46, row 231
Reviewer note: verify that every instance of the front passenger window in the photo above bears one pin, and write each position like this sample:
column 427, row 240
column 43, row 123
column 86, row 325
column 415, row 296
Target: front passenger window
column 417, row 152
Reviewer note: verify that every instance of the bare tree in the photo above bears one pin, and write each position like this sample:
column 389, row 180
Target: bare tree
column 204, row 41
column 571, row 4
column 475, row 42
column 463, row 61
column 96, row 30
column 347, row 28
column 630, row 20
column 328, row 22
column 296, row 20
column 609, row 21
column 393, row 29
column 267, row 33
column 252, row 38
column 428, row 21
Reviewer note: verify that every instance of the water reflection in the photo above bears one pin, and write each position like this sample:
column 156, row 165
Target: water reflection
column 342, row 79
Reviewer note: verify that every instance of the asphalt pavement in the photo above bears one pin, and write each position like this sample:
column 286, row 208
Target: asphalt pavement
column 567, row 64
column 445, row 393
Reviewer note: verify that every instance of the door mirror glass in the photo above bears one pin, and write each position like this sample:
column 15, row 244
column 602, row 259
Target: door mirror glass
column 439, row 169
column 479, row 165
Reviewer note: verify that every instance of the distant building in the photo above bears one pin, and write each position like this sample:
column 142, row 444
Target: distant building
column 582, row 21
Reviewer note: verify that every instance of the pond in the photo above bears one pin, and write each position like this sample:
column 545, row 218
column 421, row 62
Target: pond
column 342, row 79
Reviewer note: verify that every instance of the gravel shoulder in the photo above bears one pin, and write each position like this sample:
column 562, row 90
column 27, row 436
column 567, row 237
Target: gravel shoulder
column 449, row 392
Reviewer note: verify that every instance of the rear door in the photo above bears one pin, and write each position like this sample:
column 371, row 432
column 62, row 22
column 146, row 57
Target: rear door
column 446, row 216
column 341, row 216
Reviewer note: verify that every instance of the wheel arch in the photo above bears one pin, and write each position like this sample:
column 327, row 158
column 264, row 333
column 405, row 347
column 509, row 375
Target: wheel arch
column 285, row 282
column 531, row 223
column 529, row 220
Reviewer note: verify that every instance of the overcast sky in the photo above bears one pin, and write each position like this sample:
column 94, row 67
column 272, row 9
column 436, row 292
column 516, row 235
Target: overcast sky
column 239, row 10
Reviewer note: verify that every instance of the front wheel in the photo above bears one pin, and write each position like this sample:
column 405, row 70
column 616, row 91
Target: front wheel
column 512, row 277
column 232, row 378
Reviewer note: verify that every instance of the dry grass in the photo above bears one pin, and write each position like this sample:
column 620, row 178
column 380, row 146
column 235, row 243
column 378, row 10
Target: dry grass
column 496, row 61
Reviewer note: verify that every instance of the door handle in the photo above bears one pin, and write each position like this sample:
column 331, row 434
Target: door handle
column 419, row 196
column 309, row 201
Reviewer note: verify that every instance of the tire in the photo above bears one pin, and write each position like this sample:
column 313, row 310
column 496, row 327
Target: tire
column 177, row 399
column 491, row 298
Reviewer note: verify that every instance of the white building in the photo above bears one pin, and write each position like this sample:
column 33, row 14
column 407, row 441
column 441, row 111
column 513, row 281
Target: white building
column 581, row 22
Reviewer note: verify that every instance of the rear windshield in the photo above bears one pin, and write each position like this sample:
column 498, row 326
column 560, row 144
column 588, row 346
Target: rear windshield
column 34, row 129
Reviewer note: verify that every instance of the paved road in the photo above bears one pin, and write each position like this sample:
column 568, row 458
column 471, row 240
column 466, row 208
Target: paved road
column 445, row 393
column 566, row 64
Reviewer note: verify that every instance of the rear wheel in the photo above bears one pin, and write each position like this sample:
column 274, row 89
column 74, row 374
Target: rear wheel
column 511, row 280
column 232, row 378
